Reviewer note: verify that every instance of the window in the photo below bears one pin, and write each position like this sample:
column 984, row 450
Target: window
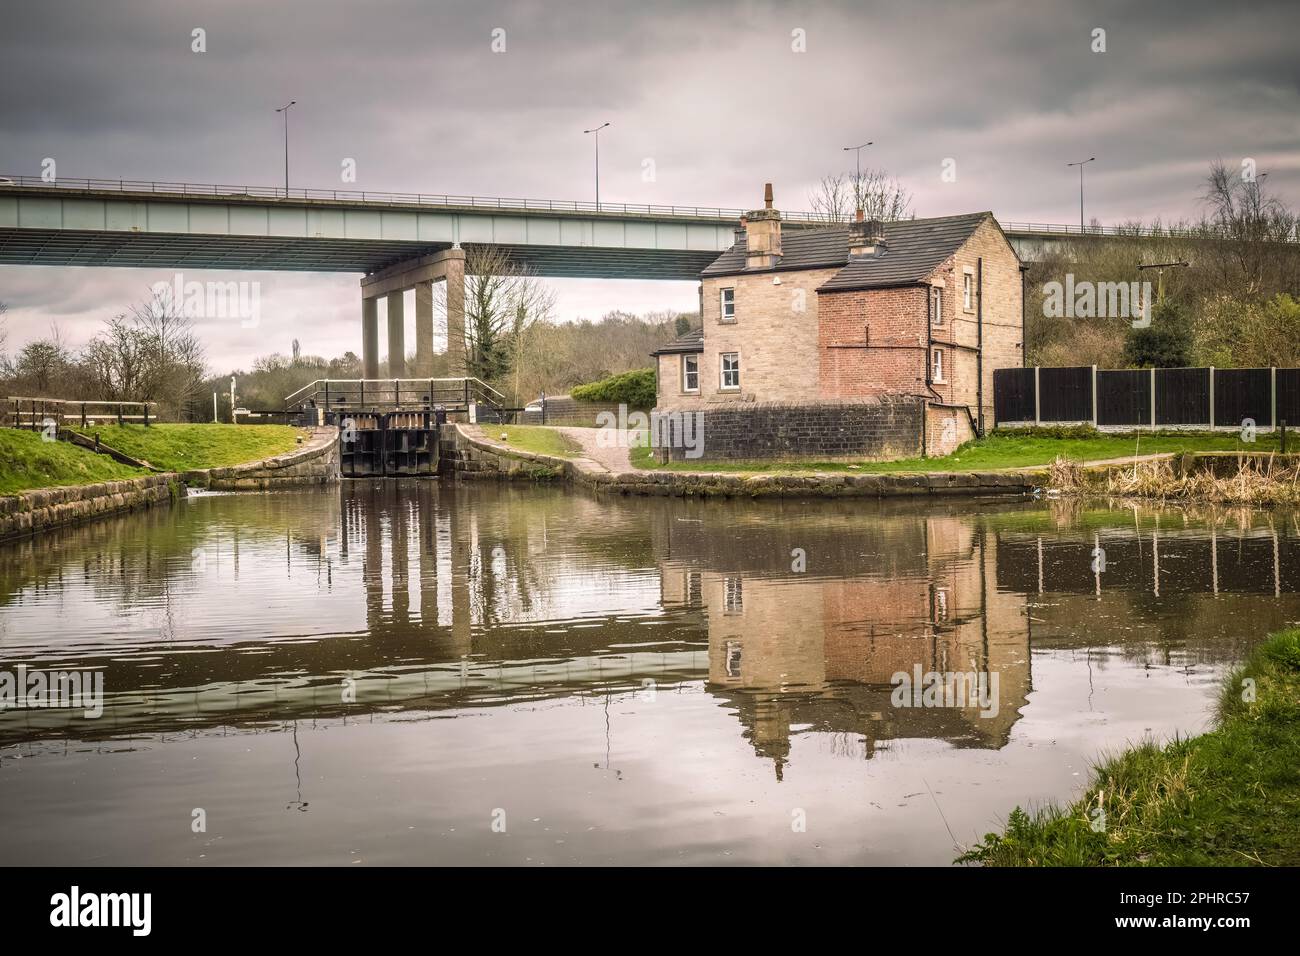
column 734, row 600
column 936, row 365
column 730, row 372
column 728, row 305
column 968, row 292
column 936, row 308
column 690, row 373
column 733, row 659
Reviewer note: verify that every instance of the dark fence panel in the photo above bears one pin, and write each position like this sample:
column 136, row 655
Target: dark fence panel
column 1013, row 395
column 1241, row 393
column 1183, row 396
column 1288, row 396
column 1123, row 397
column 1065, row 394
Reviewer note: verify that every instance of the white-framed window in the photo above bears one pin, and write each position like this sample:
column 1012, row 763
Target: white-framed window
column 690, row 373
column 936, row 307
column 936, row 365
column 968, row 292
column 729, row 370
column 728, row 300
column 734, row 595
column 734, row 651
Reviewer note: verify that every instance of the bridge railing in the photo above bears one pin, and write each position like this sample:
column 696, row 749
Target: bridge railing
column 336, row 394
column 721, row 213
column 214, row 190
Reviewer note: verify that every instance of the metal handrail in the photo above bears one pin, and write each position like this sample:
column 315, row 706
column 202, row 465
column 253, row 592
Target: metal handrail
column 367, row 196
column 215, row 190
column 386, row 384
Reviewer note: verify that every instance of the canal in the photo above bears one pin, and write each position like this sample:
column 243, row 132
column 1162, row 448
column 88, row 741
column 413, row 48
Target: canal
column 415, row 672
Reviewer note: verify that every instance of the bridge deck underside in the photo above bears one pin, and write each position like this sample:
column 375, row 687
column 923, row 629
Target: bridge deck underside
column 67, row 247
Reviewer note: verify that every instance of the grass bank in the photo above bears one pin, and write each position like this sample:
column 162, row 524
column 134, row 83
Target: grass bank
column 182, row 447
column 27, row 462
column 1019, row 448
column 1230, row 797
column 538, row 439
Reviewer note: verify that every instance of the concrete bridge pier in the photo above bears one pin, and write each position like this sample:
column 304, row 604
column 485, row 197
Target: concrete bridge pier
column 419, row 274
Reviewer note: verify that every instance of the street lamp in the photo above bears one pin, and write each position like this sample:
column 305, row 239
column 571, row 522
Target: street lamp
column 1160, row 268
column 597, row 132
column 285, row 110
column 1081, row 164
column 857, row 179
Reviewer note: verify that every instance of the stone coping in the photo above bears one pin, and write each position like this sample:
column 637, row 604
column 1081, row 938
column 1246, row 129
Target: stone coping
column 586, row 471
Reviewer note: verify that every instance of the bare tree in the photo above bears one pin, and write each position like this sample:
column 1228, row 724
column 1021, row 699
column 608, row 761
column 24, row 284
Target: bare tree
column 1255, row 224
column 504, row 299
column 879, row 195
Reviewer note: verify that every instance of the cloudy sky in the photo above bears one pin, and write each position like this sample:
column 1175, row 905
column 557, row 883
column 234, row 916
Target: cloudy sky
column 722, row 97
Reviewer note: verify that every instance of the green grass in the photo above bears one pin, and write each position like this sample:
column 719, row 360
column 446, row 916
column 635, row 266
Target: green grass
column 534, row 438
column 1230, row 797
column 26, row 462
column 999, row 449
column 181, row 447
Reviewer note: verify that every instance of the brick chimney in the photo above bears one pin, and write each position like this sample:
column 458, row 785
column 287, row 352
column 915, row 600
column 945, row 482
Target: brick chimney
column 866, row 237
column 763, row 234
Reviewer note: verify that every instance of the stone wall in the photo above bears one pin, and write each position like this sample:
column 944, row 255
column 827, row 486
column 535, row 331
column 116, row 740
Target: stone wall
column 32, row 512
column 871, row 429
column 467, row 457
column 460, row 456
column 315, row 463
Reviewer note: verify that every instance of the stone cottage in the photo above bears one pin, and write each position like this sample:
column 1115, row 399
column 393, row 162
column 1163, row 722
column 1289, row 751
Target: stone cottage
column 874, row 339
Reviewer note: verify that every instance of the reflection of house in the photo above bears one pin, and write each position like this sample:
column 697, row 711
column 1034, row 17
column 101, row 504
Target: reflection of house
column 818, row 649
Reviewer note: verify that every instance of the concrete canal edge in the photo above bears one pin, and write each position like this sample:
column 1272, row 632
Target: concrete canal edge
column 317, row 462
column 475, row 457
column 44, row 509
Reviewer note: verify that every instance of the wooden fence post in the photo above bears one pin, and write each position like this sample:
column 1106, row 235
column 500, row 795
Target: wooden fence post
column 1211, row 398
column 1153, row 399
column 1094, row 396
column 1038, row 411
column 1272, row 396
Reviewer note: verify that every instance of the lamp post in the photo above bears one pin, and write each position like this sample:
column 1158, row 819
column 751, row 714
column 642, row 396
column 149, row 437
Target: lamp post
column 597, row 132
column 857, row 176
column 285, row 110
column 1081, row 164
column 1160, row 268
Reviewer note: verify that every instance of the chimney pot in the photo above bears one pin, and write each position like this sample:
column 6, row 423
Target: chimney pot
column 767, row 195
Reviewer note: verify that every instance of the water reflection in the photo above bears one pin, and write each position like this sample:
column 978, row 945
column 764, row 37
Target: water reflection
column 412, row 601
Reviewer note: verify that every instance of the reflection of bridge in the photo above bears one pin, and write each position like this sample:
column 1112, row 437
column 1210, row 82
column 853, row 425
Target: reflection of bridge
column 442, row 599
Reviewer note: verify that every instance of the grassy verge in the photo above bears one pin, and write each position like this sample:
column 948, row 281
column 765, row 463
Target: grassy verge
column 534, row 438
column 1226, row 798
column 27, row 461
column 181, row 447
column 999, row 449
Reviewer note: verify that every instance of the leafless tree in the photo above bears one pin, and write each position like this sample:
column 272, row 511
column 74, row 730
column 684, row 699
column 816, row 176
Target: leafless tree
column 504, row 300
column 879, row 195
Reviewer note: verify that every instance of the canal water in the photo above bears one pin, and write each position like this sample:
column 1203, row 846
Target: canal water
column 404, row 672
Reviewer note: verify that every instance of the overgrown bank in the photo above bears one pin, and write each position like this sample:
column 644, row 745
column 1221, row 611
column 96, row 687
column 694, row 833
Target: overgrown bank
column 1229, row 797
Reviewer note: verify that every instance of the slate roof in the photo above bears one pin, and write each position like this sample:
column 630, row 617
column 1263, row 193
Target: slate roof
column 692, row 341
column 913, row 249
